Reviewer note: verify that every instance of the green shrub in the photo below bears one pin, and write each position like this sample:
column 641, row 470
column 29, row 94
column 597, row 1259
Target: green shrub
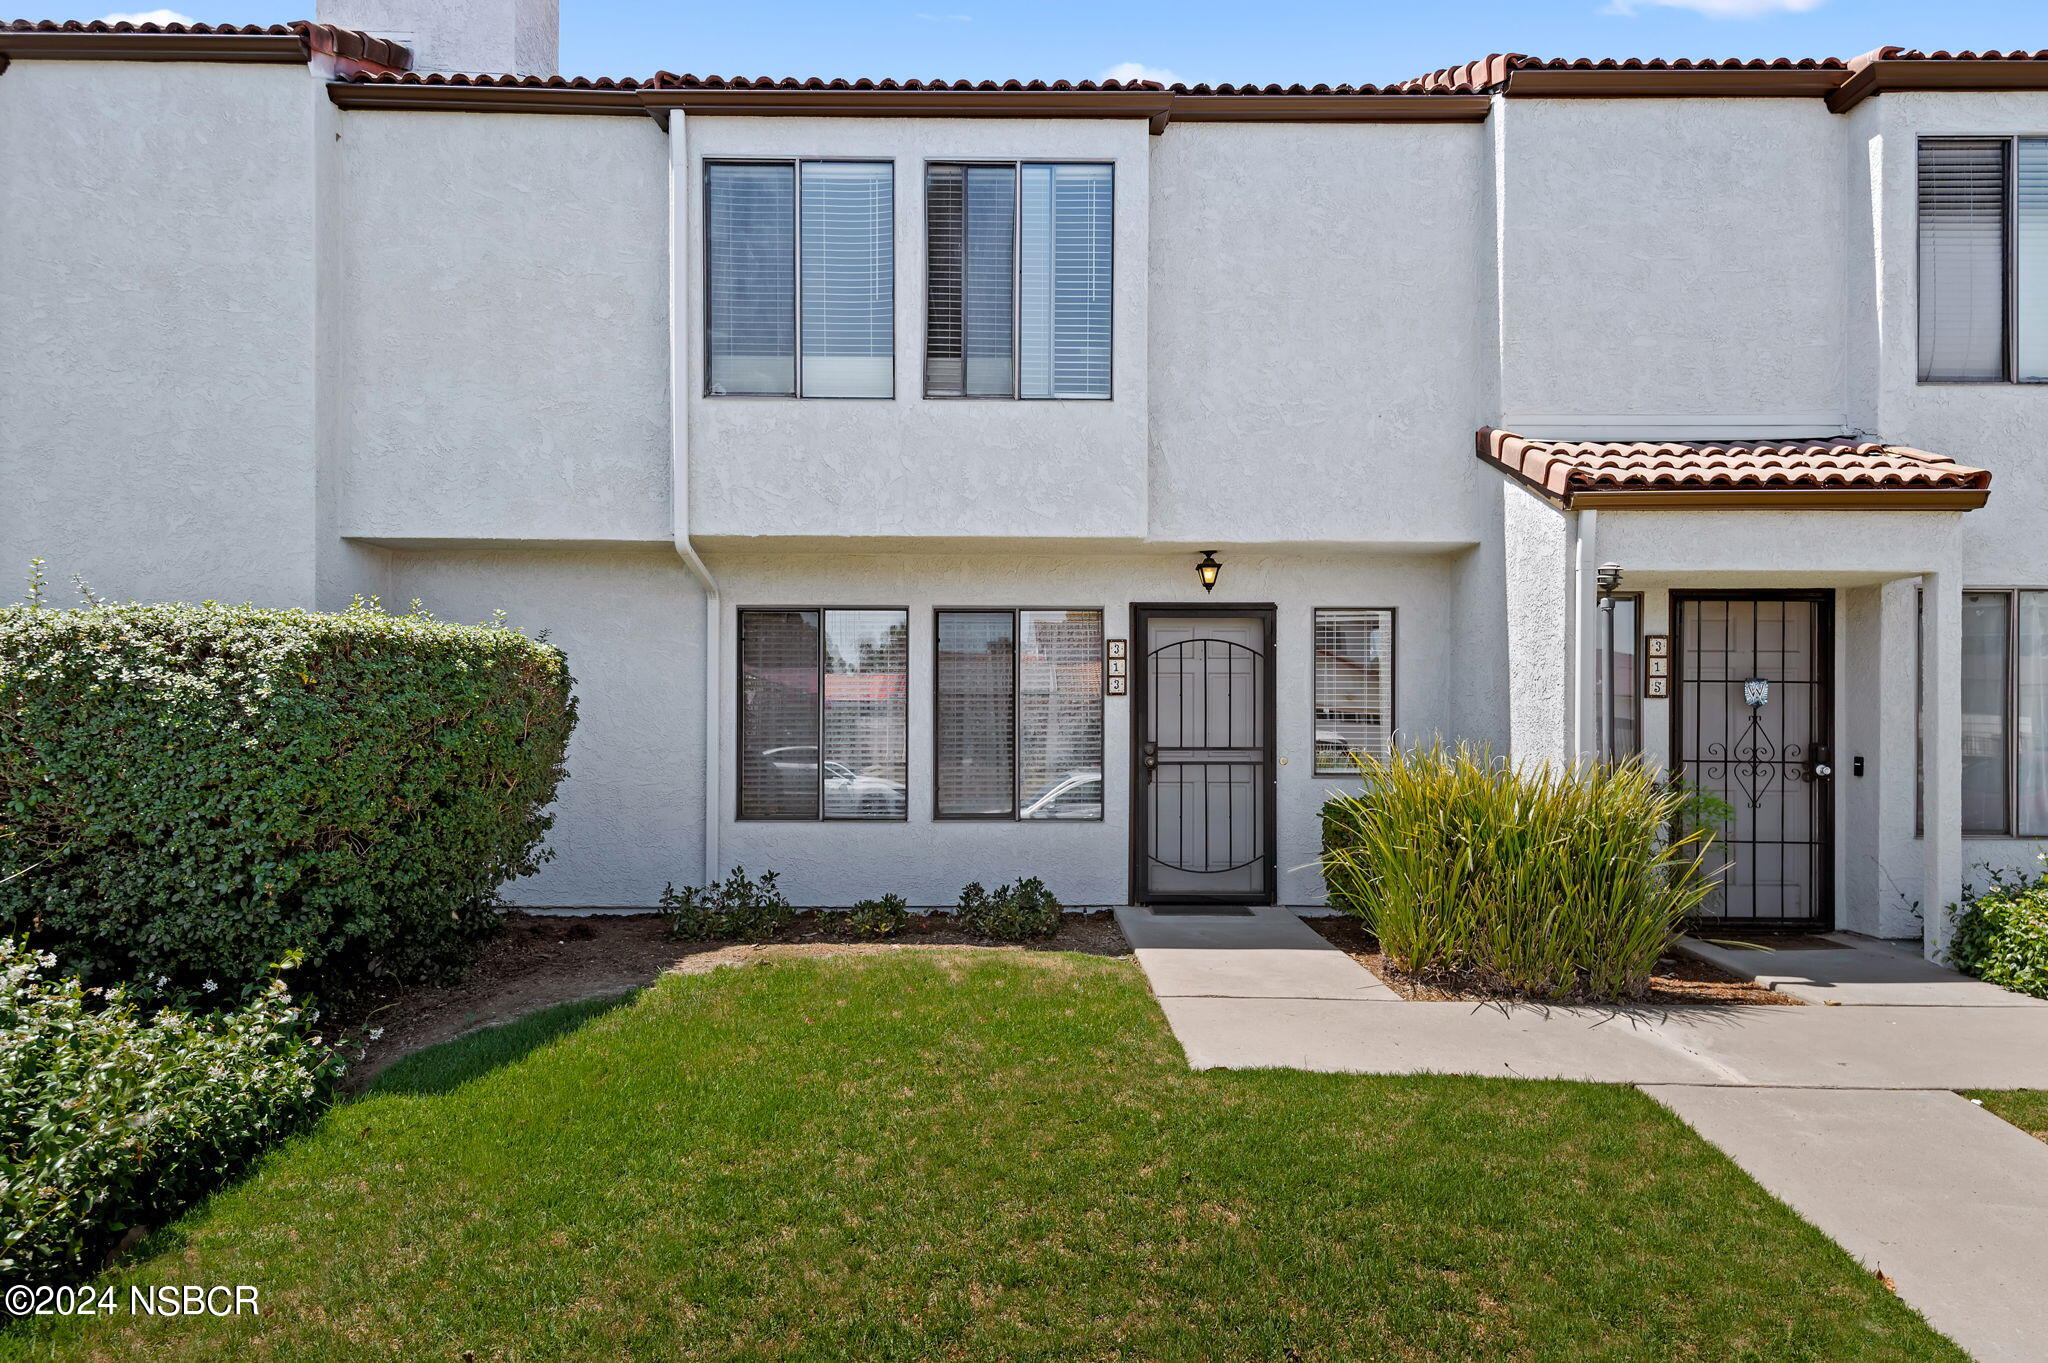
column 884, row 917
column 113, row 1114
column 735, row 909
column 2001, row 934
column 1010, row 913
column 197, row 791
column 1551, row 882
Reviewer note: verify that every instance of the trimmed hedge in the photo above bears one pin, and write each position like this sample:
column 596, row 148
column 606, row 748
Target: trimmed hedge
column 191, row 793
column 2001, row 935
column 114, row 1113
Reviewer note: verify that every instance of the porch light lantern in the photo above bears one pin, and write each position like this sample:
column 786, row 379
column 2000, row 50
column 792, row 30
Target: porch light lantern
column 1209, row 568
column 1608, row 579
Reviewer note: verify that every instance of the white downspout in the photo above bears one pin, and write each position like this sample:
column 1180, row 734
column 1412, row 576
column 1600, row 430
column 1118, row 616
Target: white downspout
column 1585, row 628
column 680, row 311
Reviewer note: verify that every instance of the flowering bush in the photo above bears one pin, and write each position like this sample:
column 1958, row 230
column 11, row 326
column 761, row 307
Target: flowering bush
column 2001, row 934
column 195, row 791
column 114, row 1114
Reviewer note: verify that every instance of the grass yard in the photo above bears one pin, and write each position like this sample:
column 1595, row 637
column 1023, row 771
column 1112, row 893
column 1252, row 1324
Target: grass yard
column 960, row 1155
column 2026, row 1109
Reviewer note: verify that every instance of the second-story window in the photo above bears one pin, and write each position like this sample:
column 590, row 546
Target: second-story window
column 1018, row 278
column 801, row 279
column 1983, row 259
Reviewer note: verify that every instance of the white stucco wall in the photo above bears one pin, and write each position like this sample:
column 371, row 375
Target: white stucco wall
column 518, row 36
column 1668, row 258
column 157, row 260
column 1317, row 346
column 906, row 466
column 630, row 816
column 504, row 291
column 1084, row 863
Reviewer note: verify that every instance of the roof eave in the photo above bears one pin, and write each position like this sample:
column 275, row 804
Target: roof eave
column 1664, row 83
column 272, row 48
column 498, row 99
column 1931, row 73
column 1775, row 499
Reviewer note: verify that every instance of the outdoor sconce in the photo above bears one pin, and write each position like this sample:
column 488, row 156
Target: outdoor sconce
column 1208, row 568
column 1608, row 579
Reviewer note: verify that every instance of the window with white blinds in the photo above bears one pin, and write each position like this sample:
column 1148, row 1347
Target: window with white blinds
column 1019, row 271
column 1983, row 259
column 801, row 279
column 1018, row 719
column 1354, row 687
column 824, row 719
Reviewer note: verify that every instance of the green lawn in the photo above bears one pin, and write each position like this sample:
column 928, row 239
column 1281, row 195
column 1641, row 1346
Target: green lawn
column 2026, row 1109
column 982, row 1156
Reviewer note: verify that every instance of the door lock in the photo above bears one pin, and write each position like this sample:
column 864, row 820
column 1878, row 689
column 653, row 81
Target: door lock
column 1823, row 769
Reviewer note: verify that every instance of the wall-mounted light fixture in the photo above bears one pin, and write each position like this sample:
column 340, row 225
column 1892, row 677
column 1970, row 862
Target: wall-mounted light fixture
column 1608, row 579
column 1209, row 568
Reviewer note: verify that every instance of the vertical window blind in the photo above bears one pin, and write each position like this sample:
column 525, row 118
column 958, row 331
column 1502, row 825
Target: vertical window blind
column 1354, row 687
column 2005, row 712
column 1019, row 714
column 824, row 719
column 2030, row 260
column 750, row 217
column 975, row 717
column 802, row 263
column 1018, row 275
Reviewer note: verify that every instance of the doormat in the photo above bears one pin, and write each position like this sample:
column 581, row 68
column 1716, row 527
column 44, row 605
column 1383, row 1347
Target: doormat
column 1774, row 941
column 1201, row 911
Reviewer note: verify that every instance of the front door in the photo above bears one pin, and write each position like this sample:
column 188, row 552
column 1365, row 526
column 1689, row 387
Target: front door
column 1203, row 828
column 1751, row 713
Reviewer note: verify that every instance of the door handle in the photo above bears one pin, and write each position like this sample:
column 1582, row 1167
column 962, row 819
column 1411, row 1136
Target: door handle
column 1823, row 769
column 1151, row 756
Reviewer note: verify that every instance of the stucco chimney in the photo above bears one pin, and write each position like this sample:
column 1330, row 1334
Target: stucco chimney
column 495, row 37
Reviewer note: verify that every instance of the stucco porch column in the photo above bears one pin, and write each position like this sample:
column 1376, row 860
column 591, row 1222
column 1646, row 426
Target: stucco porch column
column 1941, row 711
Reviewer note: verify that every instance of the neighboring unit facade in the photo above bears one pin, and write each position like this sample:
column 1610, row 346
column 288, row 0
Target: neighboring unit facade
column 860, row 442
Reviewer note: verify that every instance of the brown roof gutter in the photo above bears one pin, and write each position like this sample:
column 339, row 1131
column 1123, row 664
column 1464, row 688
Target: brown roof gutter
column 1672, row 83
column 803, row 102
column 1778, row 499
column 1873, row 73
column 338, row 51
column 536, row 98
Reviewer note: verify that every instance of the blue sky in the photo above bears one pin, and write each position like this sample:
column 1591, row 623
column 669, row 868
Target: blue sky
column 1208, row 40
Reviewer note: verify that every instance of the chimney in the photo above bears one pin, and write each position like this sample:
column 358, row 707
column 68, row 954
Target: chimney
column 480, row 37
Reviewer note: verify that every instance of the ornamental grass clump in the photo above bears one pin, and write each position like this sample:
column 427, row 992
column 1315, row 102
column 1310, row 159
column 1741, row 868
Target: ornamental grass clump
column 1557, row 883
column 116, row 1113
column 197, row 791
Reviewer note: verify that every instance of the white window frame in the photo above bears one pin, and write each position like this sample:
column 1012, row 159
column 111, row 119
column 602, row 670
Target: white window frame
column 1393, row 615
column 2010, row 361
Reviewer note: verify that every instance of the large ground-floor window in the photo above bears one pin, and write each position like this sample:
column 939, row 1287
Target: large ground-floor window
column 1017, row 724
column 824, row 719
column 2005, row 712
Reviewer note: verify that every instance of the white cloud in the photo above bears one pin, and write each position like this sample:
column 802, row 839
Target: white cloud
column 149, row 16
column 1138, row 71
column 1719, row 9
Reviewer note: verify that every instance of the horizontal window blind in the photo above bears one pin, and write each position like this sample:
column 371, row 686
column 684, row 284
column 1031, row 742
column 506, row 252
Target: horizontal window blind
column 2030, row 260
column 975, row 716
column 867, row 716
column 989, row 298
column 1354, row 687
column 750, row 212
column 1962, row 258
column 779, row 715
column 1059, row 714
column 849, row 279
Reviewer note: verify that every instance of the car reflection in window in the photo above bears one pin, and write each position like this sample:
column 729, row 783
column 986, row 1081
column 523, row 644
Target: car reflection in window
column 1076, row 795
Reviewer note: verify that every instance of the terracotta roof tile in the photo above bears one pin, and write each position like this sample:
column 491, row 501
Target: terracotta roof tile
column 669, row 80
column 1644, row 472
column 1492, row 73
column 349, row 50
column 487, row 82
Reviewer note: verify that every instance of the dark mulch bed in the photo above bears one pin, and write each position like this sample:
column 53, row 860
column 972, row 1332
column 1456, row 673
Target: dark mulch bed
column 1678, row 982
column 541, row 960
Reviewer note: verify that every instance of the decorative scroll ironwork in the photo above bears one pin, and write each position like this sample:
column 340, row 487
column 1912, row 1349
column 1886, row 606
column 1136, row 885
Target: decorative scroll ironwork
column 1241, row 746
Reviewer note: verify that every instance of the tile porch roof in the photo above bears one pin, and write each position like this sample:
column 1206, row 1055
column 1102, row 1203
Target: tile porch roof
column 1820, row 474
column 346, row 50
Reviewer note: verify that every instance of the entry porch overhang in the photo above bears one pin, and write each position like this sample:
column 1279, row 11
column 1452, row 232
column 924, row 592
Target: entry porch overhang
column 1813, row 475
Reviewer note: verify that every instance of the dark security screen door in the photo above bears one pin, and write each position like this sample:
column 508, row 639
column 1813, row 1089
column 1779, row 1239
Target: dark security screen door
column 1751, row 713
column 1204, row 763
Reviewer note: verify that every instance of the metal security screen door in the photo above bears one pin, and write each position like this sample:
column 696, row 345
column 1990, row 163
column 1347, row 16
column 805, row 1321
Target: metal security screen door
column 1203, row 827
column 1751, row 715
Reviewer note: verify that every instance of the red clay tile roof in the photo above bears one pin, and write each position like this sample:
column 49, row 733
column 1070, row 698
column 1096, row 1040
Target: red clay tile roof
column 1498, row 71
column 1680, row 473
column 669, row 80
column 348, row 50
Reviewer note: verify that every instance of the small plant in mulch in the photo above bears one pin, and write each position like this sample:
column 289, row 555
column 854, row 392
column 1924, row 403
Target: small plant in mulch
column 884, row 917
column 737, row 908
column 1018, row 912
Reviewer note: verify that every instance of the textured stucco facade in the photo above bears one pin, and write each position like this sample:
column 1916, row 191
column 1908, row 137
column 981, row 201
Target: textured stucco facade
column 261, row 347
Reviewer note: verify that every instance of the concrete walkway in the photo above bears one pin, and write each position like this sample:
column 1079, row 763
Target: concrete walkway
column 1845, row 1113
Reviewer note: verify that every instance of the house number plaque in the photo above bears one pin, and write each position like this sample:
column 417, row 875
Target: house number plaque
column 1656, row 666
column 1116, row 673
